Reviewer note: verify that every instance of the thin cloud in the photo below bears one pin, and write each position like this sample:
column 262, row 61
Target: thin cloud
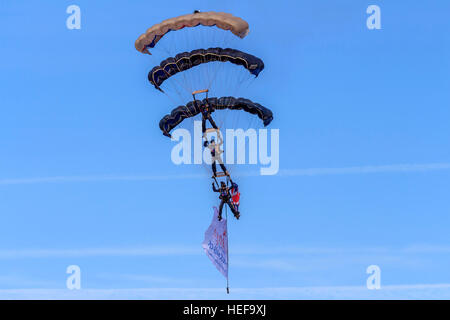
column 414, row 291
column 244, row 250
column 395, row 168
column 147, row 279
column 274, row 264
column 366, row 169
column 65, row 179
column 97, row 252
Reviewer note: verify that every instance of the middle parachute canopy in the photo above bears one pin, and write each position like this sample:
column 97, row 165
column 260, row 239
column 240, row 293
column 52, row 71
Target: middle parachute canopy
column 186, row 60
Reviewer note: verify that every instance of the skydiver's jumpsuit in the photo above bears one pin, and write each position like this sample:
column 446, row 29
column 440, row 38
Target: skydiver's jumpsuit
column 225, row 198
column 212, row 147
column 206, row 115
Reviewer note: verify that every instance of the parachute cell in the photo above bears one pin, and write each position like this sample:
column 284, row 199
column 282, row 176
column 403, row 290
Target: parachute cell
column 186, row 60
column 222, row 20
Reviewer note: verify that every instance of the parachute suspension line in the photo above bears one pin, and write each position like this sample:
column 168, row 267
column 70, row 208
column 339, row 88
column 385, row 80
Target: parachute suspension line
column 215, row 73
column 250, row 82
column 186, row 81
column 207, row 75
column 188, row 84
column 242, row 77
column 179, row 83
column 176, row 89
column 170, row 98
column 172, row 85
column 237, row 83
column 213, row 70
column 173, row 88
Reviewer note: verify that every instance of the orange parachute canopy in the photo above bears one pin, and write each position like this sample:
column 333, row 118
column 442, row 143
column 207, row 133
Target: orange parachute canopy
column 222, row 20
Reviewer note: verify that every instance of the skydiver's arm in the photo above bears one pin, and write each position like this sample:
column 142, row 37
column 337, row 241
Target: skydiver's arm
column 214, row 188
column 219, row 139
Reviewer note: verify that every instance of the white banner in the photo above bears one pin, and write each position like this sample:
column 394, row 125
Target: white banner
column 216, row 243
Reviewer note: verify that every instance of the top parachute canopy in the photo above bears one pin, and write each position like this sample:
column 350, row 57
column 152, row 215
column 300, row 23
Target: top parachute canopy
column 222, row 20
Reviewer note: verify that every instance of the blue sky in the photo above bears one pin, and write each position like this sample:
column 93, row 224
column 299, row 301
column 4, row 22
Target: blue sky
column 86, row 176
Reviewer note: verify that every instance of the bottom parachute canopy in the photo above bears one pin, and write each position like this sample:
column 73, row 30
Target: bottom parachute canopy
column 193, row 108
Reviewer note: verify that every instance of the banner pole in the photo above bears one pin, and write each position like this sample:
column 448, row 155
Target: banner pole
column 228, row 261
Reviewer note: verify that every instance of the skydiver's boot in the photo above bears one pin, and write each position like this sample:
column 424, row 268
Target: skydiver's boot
column 205, row 137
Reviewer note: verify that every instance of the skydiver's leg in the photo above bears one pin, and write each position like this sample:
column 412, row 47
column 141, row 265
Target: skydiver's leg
column 233, row 209
column 214, row 169
column 224, row 169
column 220, row 209
column 203, row 125
column 212, row 122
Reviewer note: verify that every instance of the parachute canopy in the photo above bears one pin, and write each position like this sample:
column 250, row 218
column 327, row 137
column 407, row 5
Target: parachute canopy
column 186, row 60
column 222, row 20
column 192, row 108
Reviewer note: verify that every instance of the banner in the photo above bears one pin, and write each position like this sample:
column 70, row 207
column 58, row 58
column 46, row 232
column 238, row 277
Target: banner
column 216, row 243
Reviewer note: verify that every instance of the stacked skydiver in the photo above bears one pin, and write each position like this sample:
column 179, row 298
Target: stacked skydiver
column 215, row 156
column 225, row 192
column 214, row 147
column 225, row 197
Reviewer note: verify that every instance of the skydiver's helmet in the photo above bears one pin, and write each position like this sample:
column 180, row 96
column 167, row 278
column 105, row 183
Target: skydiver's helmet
column 222, row 184
column 234, row 186
column 212, row 140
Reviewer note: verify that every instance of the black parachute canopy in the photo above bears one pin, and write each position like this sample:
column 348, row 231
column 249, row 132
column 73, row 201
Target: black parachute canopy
column 186, row 60
column 192, row 108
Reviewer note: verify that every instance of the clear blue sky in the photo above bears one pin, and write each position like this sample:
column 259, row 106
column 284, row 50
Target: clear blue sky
column 86, row 176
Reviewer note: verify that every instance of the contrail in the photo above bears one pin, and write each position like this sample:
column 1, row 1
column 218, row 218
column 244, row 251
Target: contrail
column 366, row 169
column 59, row 179
column 244, row 250
column 419, row 291
column 283, row 173
column 100, row 252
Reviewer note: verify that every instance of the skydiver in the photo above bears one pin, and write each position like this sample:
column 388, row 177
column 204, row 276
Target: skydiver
column 225, row 198
column 215, row 155
column 206, row 115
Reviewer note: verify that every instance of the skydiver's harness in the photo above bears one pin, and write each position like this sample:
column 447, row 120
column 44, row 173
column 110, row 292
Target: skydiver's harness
column 205, row 110
column 224, row 194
